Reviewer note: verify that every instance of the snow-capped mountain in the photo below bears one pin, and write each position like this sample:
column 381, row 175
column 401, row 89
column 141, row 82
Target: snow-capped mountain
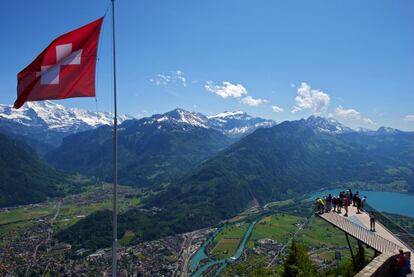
column 43, row 125
column 387, row 130
column 181, row 117
column 52, row 116
column 238, row 123
column 48, row 122
column 328, row 125
column 332, row 126
column 234, row 124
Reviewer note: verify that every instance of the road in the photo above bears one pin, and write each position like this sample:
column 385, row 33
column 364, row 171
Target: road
column 185, row 255
column 49, row 231
column 48, row 238
column 300, row 228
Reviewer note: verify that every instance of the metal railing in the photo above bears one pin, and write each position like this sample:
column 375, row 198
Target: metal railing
column 369, row 238
column 400, row 232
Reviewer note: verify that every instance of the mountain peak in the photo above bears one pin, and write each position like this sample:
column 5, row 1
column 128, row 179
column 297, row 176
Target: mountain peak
column 184, row 116
column 235, row 124
column 387, row 130
column 38, row 105
column 328, row 125
column 238, row 123
column 53, row 116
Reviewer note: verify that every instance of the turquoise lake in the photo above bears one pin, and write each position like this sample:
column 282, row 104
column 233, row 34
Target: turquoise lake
column 391, row 202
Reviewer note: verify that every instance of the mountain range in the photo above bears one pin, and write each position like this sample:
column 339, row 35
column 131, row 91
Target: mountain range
column 44, row 124
column 281, row 162
column 153, row 150
column 203, row 168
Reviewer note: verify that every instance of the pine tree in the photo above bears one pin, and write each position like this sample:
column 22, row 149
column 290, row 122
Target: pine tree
column 298, row 263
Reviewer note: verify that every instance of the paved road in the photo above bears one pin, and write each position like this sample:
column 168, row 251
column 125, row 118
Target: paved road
column 49, row 231
column 48, row 238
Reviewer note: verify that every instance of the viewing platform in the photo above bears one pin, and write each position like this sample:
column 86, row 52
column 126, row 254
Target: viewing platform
column 383, row 241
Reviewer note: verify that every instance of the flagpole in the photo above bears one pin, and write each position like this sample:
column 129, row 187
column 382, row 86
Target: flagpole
column 115, row 156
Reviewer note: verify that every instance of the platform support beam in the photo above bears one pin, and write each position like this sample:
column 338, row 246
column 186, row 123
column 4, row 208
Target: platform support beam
column 350, row 250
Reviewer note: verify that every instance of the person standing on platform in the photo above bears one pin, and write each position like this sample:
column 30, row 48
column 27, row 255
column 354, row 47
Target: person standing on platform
column 334, row 203
column 346, row 204
column 363, row 200
column 357, row 201
column 339, row 200
column 372, row 221
column 354, row 197
column 329, row 203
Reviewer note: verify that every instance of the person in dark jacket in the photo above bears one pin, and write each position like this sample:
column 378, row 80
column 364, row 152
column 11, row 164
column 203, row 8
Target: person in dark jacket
column 357, row 201
column 328, row 203
column 354, row 197
column 372, row 221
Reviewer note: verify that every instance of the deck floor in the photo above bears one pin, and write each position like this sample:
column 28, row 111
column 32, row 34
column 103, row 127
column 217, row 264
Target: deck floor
column 358, row 226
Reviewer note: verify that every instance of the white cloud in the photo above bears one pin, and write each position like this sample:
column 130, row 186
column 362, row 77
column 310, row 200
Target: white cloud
column 277, row 109
column 409, row 117
column 226, row 90
column 176, row 76
column 253, row 102
column 347, row 113
column 351, row 114
column 368, row 121
column 311, row 99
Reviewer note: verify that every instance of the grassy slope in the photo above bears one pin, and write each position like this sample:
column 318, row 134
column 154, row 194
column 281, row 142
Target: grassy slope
column 24, row 178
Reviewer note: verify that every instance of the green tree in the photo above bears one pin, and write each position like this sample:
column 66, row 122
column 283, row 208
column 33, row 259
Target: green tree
column 297, row 263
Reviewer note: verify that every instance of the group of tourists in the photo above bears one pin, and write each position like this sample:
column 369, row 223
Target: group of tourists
column 341, row 202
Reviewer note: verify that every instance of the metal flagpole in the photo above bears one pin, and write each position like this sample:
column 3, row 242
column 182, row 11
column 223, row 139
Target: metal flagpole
column 115, row 158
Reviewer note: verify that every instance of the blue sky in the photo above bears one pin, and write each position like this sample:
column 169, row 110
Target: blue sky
column 353, row 60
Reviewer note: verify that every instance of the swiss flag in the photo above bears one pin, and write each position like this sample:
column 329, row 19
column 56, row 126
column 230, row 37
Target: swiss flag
column 65, row 69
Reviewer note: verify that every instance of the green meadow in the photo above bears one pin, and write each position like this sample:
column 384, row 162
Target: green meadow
column 226, row 242
column 278, row 227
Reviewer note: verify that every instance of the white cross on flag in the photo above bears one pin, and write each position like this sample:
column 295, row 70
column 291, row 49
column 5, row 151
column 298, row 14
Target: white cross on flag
column 49, row 74
column 65, row 69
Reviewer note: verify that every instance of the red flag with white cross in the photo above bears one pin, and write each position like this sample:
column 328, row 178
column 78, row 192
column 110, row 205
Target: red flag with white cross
column 65, row 69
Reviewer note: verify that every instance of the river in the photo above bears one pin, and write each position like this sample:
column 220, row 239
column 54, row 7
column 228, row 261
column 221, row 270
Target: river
column 201, row 253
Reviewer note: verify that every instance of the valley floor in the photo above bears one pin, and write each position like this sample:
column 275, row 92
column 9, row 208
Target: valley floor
column 27, row 244
column 254, row 241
